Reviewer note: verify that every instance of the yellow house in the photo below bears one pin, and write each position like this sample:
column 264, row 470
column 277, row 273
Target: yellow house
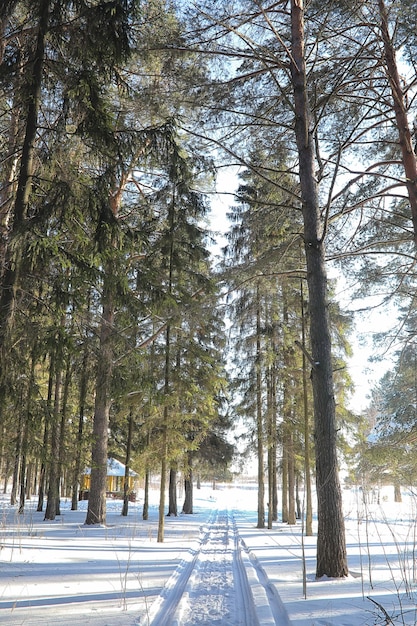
column 115, row 481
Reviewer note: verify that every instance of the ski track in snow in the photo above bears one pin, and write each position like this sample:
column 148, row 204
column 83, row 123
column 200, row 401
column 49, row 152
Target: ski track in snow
column 218, row 585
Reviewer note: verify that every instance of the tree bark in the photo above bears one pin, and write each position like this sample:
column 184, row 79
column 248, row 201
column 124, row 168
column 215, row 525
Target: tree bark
column 271, row 446
column 16, row 464
column 24, row 473
column 96, row 513
column 62, row 435
column 292, row 519
column 284, row 476
column 79, row 442
column 259, row 419
column 400, row 109
column 126, row 488
column 161, row 510
column 53, row 483
column 145, row 510
column 42, row 472
column 187, row 507
column 331, row 542
column 288, row 416
column 172, row 493
column 45, row 465
column 307, row 468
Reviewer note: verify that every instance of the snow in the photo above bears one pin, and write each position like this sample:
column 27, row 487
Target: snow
column 214, row 567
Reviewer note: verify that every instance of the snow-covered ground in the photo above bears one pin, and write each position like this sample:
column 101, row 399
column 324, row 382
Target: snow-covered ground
column 214, row 567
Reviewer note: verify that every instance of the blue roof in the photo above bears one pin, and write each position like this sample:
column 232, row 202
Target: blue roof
column 114, row 468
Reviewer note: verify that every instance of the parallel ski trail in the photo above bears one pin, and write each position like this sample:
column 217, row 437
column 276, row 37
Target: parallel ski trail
column 216, row 586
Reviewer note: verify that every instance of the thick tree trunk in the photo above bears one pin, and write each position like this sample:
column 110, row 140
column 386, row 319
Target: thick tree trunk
column 400, row 109
column 30, row 481
column 172, row 493
column 96, row 513
column 331, row 542
column 187, row 507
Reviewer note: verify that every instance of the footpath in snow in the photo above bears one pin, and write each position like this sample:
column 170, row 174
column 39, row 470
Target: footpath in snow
column 214, row 568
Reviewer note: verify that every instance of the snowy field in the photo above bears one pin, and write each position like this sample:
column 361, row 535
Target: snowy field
column 214, row 568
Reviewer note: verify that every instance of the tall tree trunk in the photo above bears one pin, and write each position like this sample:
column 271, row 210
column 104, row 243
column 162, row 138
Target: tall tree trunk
column 307, row 463
column 284, row 474
column 271, row 447
column 45, row 464
column 259, row 417
column 62, row 435
column 288, row 414
column 53, row 483
column 24, row 478
column 126, row 488
column 273, row 497
column 164, row 450
column 291, row 481
column 275, row 486
column 331, row 541
column 96, row 513
column 79, row 442
column 167, row 382
column 161, row 510
column 42, row 473
column 17, row 459
column 408, row 155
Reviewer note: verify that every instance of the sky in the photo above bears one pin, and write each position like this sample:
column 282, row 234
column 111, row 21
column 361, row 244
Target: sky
column 214, row 567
